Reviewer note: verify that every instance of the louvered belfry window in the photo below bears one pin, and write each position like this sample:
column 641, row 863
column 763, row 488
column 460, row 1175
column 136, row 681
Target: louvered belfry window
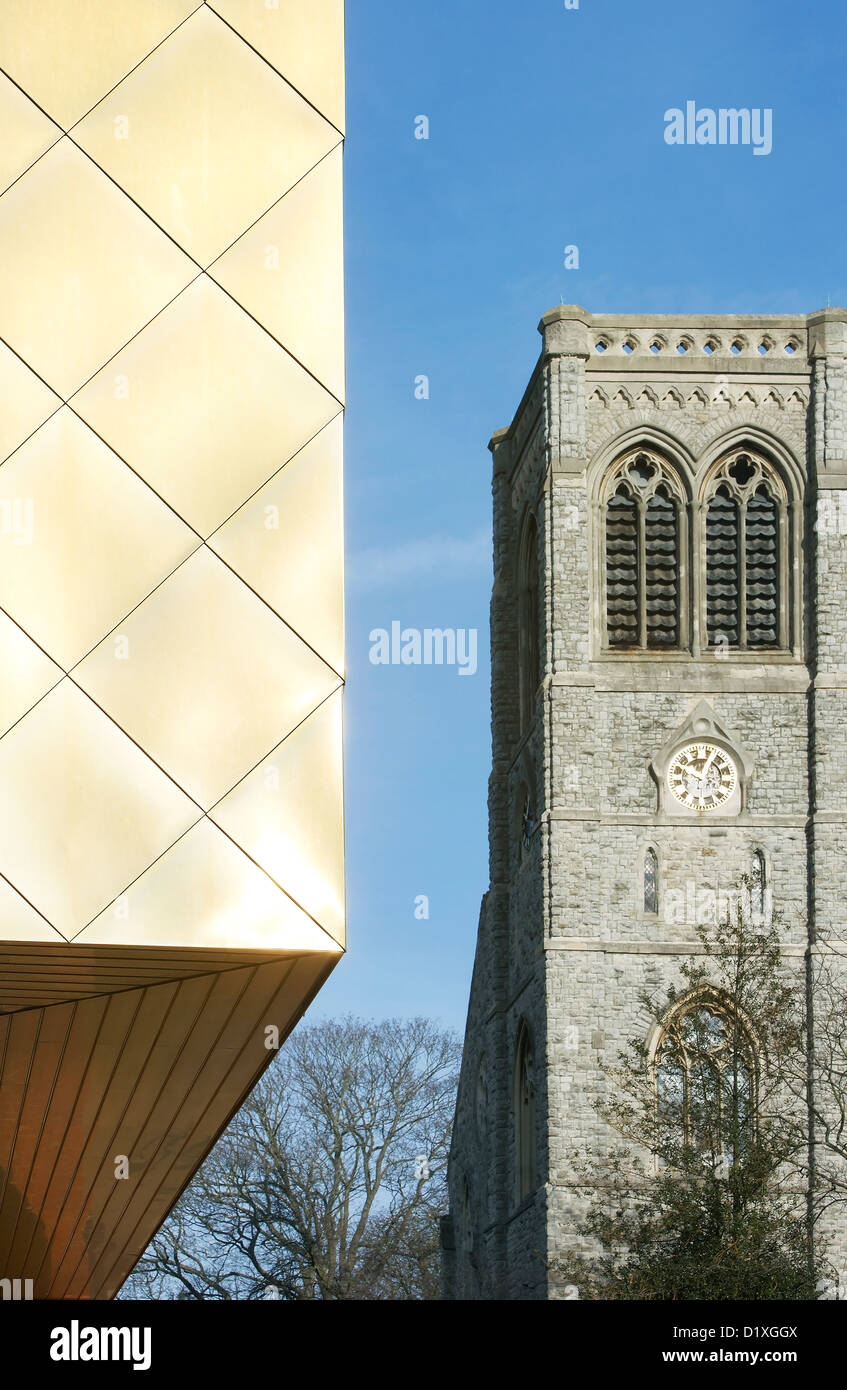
column 762, row 567
column 745, row 555
column 622, row 602
column 661, row 570
column 722, row 592
column 643, row 515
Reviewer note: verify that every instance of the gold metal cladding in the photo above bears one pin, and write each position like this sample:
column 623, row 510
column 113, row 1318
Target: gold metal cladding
column 201, row 892
column 81, row 268
column 27, row 674
column 171, row 605
column 206, row 678
column 20, row 921
column 288, row 271
column 82, row 810
column 152, row 1073
column 27, row 132
column 35, row 973
column 303, row 42
column 205, row 405
column 287, row 543
column 27, row 402
column 96, row 539
column 205, row 136
column 288, row 815
column 67, row 53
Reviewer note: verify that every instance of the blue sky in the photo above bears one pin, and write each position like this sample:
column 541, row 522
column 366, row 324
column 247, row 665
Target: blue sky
column 546, row 130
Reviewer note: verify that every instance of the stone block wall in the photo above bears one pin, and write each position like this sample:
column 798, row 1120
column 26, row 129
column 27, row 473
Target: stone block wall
column 565, row 942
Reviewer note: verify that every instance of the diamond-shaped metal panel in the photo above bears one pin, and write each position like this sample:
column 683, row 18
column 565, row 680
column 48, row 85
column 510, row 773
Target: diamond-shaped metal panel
column 171, row 828
column 199, row 892
column 82, row 809
column 286, row 542
column 27, row 402
column 20, row 920
column 305, row 43
column 27, row 674
column 205, row 677
column 205, row 136
column 288, row 271
column 100, row 540
column 27, row 132
column 68, row 53
column 287, row 813
column 82, row 269
column 207, row 405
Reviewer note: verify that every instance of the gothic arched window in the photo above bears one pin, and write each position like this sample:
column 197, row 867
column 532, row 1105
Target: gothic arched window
column 525, row 1114
column 746, row 555
column 529, row 664
column 651, row 881
column 645, row 540
column 706, row 1078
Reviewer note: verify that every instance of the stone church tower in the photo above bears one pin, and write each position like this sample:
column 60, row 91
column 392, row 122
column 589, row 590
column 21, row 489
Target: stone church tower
column 669, row 712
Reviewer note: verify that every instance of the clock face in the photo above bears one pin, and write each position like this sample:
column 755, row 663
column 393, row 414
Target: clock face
column 702, row 776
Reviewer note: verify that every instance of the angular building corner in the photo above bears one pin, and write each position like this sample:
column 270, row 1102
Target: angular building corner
column 171, row 608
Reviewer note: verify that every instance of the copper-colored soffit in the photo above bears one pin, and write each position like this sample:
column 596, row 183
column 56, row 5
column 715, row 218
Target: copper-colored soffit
column 171, row 614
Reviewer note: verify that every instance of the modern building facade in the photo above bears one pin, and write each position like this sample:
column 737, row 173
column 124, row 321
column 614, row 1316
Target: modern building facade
column 171, row 615
column 669, row 706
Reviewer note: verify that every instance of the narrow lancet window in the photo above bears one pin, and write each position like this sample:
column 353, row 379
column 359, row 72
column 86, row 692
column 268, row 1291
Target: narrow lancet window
column 758, row 884
column 529, row 664
column 525, row 1114
column 651, row 882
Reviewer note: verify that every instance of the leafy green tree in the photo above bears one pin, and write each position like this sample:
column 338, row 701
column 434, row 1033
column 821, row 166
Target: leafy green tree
column 704, row 1198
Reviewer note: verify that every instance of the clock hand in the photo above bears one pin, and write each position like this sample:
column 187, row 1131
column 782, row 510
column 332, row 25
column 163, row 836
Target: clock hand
column 701, row 776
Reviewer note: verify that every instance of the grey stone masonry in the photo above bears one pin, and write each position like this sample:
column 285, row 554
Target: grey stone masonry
column 577, row 797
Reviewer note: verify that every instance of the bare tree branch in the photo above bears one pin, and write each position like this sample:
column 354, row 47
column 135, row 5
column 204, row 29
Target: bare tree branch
column 313, row 1192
